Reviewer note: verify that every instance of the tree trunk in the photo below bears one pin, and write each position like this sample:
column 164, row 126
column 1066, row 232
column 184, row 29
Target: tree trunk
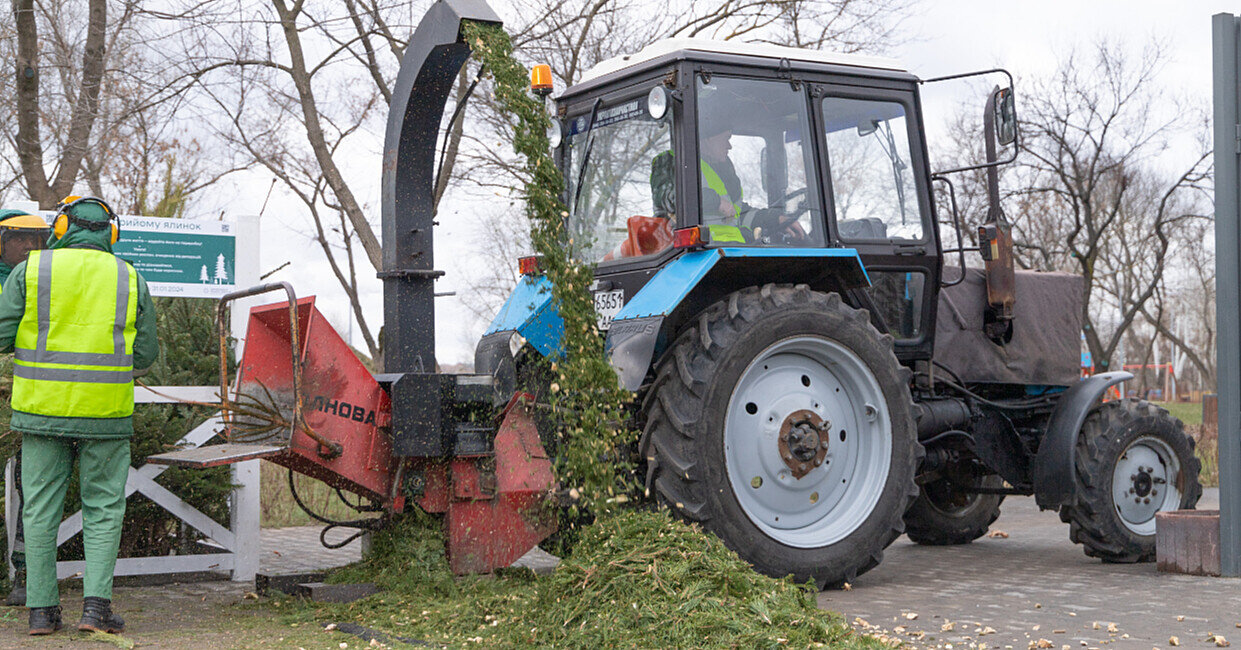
column 85, row 109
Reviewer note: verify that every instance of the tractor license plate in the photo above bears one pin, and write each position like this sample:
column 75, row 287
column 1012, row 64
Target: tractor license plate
column 607, row 305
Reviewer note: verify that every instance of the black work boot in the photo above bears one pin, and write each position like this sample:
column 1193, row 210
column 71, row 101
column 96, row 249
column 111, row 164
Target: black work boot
column 44, row 620
column 97, row 616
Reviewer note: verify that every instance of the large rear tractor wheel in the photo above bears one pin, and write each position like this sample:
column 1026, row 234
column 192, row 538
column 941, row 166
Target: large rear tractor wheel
column 782, row 422
column 945, row 515
column 1133, row 460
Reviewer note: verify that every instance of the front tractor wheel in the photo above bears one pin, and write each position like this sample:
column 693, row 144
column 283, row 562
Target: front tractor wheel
column 945, row 514
column 1133, row 460
column 782, row 422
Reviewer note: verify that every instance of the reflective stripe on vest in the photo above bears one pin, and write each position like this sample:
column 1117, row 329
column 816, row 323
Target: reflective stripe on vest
column 73, row 355
column 716, row 184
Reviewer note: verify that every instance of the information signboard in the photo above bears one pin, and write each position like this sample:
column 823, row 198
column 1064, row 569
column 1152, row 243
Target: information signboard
column 188, row 258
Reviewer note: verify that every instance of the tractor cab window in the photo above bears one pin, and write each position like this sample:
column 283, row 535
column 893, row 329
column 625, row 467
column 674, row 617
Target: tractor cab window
column 625, row 206
column 754, row 161
column 872, row 182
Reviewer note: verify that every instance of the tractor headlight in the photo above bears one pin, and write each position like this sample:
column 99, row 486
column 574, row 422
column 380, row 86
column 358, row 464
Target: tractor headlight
column 553, row 134
column 657, row 102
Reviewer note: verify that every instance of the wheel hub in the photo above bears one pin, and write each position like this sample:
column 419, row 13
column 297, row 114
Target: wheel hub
column 803, row 441
column 1142, row 483
column 778, row 421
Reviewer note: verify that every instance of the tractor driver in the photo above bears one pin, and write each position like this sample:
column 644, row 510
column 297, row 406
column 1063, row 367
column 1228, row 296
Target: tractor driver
column 724, row 210
column 721, row 192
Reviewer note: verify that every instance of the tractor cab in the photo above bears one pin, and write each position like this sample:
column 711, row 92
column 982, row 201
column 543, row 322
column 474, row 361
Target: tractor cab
column 761, row 164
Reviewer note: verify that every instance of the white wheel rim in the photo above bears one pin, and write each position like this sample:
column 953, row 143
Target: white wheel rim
column 833, row 499
column 1145, row 482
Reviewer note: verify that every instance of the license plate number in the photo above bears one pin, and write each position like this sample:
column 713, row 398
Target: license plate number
column 607, row 305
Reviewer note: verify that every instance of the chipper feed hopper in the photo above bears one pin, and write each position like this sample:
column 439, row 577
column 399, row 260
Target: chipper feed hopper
column 445, row 442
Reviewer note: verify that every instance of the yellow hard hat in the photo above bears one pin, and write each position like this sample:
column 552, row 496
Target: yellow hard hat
column 24, row 222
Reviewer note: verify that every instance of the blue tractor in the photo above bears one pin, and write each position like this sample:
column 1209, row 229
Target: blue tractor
column 816, row 374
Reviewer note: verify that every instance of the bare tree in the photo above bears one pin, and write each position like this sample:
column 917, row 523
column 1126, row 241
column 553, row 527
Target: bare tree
column 96, row 100
column 85, row 104
column 1097, row 202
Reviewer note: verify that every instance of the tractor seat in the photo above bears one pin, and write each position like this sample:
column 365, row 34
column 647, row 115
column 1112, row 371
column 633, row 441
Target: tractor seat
column 864, row 228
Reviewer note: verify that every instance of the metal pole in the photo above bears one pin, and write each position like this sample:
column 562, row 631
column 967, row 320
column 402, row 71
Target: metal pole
column 1226, row 40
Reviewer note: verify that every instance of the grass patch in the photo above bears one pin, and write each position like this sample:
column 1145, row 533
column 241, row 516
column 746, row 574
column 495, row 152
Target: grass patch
column 1206, row 448
column 277, row 508
column 1188, row 412
column 634, row 580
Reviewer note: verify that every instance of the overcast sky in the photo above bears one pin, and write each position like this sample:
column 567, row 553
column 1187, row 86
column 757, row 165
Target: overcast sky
column 946, row 36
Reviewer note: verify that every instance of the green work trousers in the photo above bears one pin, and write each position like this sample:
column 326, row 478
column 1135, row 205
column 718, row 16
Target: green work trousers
column 47, row 463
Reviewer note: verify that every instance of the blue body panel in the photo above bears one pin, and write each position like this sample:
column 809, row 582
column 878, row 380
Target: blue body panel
column 529, row 311
column 674, row 282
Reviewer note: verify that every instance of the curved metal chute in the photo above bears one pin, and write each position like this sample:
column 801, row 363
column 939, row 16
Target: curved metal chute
column 429, row 67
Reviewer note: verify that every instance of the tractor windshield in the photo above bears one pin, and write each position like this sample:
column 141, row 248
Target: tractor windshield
column 625, row 206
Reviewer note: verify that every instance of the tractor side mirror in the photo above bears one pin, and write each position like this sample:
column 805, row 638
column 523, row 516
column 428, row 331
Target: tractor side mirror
column 866, row 128
column 1005, row 107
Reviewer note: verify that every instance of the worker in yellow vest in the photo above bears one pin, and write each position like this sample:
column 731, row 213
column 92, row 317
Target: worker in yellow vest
column 79, row 322
column 721, row 188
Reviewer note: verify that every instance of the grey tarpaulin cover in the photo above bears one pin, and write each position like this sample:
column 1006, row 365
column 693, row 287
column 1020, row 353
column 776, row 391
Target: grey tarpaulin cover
column 1047, row 325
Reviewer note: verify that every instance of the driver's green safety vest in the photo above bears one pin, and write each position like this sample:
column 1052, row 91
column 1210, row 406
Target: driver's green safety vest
column 722, row 233
column 73, row 353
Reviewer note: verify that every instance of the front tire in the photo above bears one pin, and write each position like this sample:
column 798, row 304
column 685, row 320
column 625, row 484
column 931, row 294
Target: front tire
column 782, row 422
column 1133, row 460
column 942, row 515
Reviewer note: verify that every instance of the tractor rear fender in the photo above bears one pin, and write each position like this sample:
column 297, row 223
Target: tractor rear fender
column 690, row 283
column 1055, row 480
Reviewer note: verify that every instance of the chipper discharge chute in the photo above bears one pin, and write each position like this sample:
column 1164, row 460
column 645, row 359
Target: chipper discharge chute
column 302, row 399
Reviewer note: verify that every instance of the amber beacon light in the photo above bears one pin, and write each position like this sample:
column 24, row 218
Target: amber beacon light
column 541, row 80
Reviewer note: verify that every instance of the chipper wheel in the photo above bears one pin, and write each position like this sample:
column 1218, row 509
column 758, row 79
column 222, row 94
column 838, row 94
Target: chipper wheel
column 782, row 422
column 1133, row 460
column 944, row 515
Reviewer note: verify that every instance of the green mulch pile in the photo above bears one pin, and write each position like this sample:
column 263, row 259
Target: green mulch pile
column 634, row 580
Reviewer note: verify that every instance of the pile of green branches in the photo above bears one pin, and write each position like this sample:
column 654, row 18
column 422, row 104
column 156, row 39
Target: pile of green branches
column 634, row 580
column 588, row 403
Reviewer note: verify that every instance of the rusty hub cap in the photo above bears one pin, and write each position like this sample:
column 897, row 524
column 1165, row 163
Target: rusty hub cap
column 803, row 441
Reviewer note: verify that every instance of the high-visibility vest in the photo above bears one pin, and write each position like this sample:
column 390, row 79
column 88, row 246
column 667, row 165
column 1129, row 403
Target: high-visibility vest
column 723, row 232
column 74, row 350
column 716, row 184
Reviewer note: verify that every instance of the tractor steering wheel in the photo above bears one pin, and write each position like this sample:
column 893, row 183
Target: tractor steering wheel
column 782, row 224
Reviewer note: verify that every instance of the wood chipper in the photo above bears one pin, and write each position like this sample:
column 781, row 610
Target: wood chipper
column 815, row 372
column 445, row 442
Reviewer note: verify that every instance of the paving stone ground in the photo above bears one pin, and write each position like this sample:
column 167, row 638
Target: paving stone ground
column 216, row 614
column 297, row 550
column 1035, row 584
